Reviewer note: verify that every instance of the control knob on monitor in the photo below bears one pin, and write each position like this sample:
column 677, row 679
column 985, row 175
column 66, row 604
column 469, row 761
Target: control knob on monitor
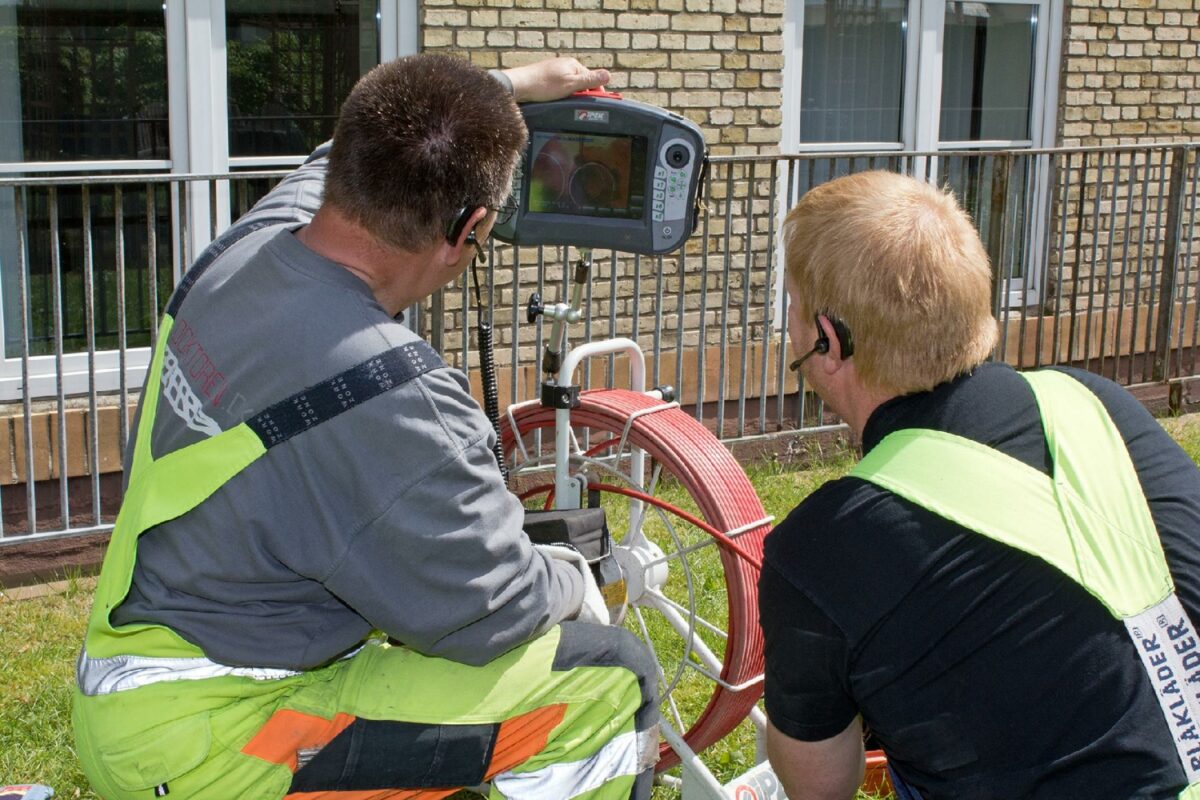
column 678, row 156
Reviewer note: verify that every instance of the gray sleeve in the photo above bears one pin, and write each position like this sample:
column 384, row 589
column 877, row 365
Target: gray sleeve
column 501, row 79
column 446, row 567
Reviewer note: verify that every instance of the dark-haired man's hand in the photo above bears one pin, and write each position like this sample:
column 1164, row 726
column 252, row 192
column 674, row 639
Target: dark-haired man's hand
column 552, row 79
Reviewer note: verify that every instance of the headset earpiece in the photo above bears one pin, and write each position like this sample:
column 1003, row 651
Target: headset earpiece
column 840, row 330
column 820, row 346
column 455, row 228
column 822, row 343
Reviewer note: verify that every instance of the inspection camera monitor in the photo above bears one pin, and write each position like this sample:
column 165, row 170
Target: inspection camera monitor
column 601, row 171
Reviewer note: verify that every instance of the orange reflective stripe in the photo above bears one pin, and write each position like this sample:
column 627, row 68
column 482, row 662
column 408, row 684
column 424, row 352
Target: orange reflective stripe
column 288, row 731
column 523, row 737
column 375, row 794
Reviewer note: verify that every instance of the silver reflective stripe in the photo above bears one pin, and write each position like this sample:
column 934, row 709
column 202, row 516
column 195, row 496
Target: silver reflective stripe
column 1169, row 649
column 648, row 748
column 627, row 754
column 183, row 400
column 97, row 676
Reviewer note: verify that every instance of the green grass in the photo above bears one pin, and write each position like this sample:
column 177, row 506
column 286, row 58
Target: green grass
column 39, row 640
column 1186, row 431
column 40, row 637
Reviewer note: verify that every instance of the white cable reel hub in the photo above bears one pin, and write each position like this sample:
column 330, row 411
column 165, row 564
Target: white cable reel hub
column 644, row 566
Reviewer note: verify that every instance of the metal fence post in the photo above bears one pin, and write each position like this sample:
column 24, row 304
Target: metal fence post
column 1166, row 295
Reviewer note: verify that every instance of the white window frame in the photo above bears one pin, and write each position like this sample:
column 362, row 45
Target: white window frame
column 921, row 105
column 199, row 130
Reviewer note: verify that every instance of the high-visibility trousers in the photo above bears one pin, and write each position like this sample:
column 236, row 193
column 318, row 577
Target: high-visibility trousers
column 572, row 714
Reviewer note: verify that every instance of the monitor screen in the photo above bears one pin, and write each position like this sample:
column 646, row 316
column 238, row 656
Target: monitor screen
column 586, row 174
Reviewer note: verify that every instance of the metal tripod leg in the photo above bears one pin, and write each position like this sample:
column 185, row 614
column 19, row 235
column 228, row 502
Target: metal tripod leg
column 698, row 781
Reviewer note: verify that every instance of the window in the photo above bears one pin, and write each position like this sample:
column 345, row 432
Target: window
column 119, row 86
column 83, row 82
column 987, row 72
column 80, row 84
column 955, row 80
column 290, row 66
column 853, row 56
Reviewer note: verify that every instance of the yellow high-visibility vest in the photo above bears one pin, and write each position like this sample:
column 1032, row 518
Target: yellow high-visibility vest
column 1089, row 519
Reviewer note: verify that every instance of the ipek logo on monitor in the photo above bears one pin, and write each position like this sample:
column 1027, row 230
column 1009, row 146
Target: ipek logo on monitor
column 600, row 171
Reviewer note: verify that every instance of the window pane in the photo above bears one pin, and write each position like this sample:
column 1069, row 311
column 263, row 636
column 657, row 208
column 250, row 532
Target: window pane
column 82, row 80
column 291, row 64
column 853, row 70
column 987, row 71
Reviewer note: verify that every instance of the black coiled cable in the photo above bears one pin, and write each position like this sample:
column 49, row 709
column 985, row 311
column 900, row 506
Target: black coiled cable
column 487, row 367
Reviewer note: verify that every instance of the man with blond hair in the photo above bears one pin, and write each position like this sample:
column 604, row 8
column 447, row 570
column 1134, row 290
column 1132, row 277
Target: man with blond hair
column 1003, row 590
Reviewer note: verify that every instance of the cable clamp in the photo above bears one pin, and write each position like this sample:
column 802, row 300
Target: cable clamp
column 555, row 396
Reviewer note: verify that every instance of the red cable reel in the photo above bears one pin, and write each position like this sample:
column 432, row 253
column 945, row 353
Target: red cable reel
column 727, row 502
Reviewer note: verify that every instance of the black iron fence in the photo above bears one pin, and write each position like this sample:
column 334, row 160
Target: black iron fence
column 1094, row 252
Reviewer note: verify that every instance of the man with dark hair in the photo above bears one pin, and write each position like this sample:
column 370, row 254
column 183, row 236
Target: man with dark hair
column 318, row 585
column 1004, row 589
column 401, row 184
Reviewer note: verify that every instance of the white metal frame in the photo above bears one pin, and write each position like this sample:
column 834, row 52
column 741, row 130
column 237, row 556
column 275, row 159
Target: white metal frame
column 642, row 563
column 198, row 124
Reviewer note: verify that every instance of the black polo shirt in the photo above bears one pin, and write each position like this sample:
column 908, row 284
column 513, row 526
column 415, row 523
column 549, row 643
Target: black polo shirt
column 982, row 671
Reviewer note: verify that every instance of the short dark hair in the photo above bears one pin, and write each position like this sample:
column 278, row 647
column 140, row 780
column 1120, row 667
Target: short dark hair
column 418, row 139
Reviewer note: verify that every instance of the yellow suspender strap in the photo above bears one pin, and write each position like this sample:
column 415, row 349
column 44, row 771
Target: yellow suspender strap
column 1090, row 520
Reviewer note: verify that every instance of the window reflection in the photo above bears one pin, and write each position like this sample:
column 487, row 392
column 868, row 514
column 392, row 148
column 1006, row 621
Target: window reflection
column 853, row 70
column 83, row 81
column 987, row 71
column 121, row 223
column 290, row 66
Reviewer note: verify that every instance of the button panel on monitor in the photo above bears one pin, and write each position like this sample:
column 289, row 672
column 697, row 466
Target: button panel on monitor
column 673, row 173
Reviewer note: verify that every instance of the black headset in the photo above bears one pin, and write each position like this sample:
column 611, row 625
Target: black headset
column 821, row 346
column 840, row 330
column 455, row 228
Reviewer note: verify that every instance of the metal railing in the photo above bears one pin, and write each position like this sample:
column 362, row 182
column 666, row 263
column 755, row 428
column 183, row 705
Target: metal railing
column 1094, row 253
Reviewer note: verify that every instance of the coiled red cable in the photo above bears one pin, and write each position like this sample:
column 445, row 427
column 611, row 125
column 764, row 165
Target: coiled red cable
column 727, row 501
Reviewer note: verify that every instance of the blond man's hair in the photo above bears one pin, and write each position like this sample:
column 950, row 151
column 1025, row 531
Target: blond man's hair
column 899, row 262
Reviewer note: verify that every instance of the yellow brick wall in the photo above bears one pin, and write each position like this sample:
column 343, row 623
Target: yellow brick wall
column 1130, row 71
column 717, row 62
